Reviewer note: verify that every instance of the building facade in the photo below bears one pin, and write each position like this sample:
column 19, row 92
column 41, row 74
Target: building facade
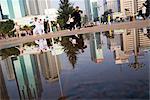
column 13, row 8
column 114, row 5
column 132, row 5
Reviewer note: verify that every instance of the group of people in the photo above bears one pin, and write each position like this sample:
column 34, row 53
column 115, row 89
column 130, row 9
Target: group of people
column 143, row 11
column 74, row 20
column 40, row 30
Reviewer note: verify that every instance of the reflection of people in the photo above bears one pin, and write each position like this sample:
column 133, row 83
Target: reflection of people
column 17, row 29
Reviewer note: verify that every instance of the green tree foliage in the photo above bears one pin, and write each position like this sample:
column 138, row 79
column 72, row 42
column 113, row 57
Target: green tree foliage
column 5, row 27
column 65, row 8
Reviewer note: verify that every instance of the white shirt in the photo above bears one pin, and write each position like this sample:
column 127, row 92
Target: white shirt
column 143, row 10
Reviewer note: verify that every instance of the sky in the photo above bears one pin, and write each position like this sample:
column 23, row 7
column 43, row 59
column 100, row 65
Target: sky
column 80, row 3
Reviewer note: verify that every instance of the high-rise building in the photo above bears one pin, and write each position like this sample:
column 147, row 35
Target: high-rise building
column 96, row 48
column 49, row 64
column 43, row 5
column 32, row 7
column 132, row 5
column 88, row 9
column 3, row 88
column 27, row 76
column 114, row 5
column 13, row 8
column 91, row 7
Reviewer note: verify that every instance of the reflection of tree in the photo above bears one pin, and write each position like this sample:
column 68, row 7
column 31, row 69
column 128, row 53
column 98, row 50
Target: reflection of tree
column 73, row 49
column 9, row 52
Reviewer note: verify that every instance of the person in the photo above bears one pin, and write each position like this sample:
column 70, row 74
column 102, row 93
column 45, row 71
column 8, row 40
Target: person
column 77, row 17
column 37, row 25
column 127, row 14
column 143, row 11
column 17, row 29
column 71, row 23
column 45, row 26
column 39, row 29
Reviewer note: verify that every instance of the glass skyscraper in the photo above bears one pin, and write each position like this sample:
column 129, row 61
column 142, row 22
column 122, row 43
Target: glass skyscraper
column 13, row 8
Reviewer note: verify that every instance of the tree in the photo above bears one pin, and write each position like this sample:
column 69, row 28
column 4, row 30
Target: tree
column 5, row 27
column 65, row 8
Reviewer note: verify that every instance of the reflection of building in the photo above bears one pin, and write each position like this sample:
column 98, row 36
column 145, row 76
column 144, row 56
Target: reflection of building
column 3, row 89
column 96, row 48
column 114, row 44
column 9, row 68
column 128, row 40
column 48, row 64
column 27, row 76
column 120, row 57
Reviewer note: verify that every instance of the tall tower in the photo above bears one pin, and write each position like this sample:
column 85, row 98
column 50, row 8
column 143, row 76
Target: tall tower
column 32, row 7
column 13, row 8
column 88, row 9
column 132, row 5
column 43, row 4
column 114, row 5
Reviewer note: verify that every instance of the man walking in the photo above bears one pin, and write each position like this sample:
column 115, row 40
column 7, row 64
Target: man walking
column 77, row 17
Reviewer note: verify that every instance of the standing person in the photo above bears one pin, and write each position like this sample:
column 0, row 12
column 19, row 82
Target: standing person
column 71, row 23
column 37, row 29
column 127, row 15
column 45, row 26
column 41, row 26
column 17, row 29
column 143, row 11
column 77, row 17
